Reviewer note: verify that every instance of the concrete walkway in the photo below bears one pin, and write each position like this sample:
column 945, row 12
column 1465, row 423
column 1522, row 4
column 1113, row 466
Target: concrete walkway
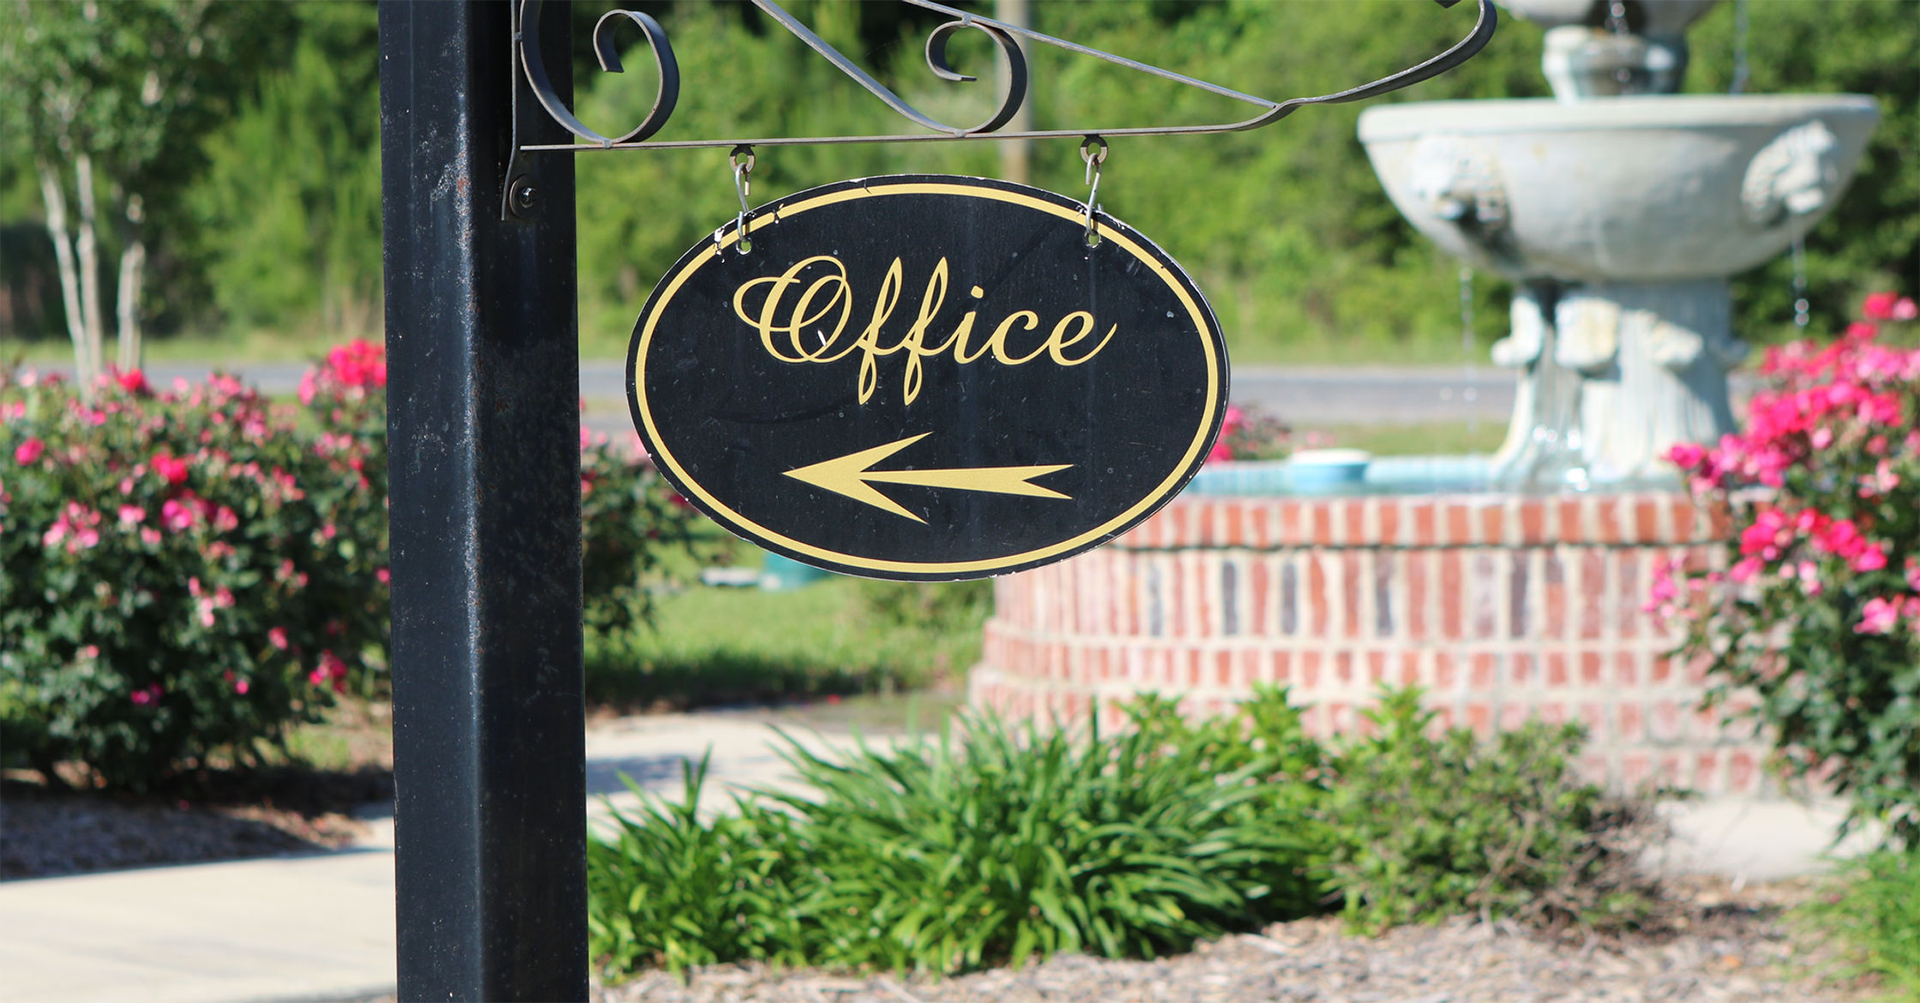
column 321, row 927
column 306, row 928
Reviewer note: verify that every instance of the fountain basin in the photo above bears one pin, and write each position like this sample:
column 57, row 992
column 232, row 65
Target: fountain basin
column 1650, row 16
column 1503, row 606
column 1657, row 188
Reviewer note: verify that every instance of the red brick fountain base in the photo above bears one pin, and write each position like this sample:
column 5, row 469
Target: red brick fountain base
column 1502, row 606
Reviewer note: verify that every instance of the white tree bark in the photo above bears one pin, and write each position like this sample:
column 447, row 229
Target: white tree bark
column 133, row 261
column 85, row 364
column 88, row 247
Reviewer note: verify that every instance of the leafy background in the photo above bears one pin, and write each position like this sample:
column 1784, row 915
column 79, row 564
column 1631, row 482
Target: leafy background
column 262, row 190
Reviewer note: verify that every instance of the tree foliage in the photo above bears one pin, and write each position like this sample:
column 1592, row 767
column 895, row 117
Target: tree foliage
column 1286, row 227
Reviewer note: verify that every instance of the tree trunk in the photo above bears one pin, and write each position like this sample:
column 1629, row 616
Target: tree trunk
column 89, row 249
column 133, row 261
column 84, row 365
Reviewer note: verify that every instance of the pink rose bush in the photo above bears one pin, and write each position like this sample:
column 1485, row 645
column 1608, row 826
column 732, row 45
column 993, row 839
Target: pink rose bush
column 1248, row 433
column 1816, row 608
column 187, row 572
column 150, row 542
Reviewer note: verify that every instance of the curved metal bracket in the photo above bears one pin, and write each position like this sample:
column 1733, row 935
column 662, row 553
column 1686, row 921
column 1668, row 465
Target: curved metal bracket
column 1005, row 35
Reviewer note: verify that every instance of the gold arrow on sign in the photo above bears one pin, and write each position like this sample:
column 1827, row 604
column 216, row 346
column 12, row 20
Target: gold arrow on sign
column 851, row 475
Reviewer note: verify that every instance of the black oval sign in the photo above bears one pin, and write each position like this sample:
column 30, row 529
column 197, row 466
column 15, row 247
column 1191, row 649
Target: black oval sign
column 926, row 378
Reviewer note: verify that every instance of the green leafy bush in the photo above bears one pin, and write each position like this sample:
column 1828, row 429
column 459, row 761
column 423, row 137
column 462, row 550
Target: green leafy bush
column 1814, row 606
column 180, row 572
column 1006, row 843
column 188, row 572
column 674, row 890
column 1422, row 827
column 940, row 857
column 1870, row 911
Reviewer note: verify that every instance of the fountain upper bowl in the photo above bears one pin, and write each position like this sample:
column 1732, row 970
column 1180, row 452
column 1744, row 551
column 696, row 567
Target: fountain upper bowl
column 1659, row 188
column 1661, row 16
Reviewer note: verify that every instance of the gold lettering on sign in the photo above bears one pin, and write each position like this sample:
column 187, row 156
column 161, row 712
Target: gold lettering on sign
column 802, row 316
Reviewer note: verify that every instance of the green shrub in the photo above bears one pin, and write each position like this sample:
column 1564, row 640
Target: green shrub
column 940, row 857
column 179, row 572
column 1006, row 843
column 1421, row 828
column 1812, row 606
column 188, row 572
column 1870, row 910
column 675, row 891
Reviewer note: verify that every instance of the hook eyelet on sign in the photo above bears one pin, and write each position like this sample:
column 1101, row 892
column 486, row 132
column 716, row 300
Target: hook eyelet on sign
column 1093, row 150
column 742, row 160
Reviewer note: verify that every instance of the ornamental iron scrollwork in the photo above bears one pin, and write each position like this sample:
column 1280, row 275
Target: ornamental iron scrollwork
column 1006, row 36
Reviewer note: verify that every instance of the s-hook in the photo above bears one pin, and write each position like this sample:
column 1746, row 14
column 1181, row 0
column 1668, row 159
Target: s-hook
column 1093, row 150
column 742, row 160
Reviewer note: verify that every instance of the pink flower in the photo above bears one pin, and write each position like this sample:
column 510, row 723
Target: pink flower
column 1688, row 456
column 133, row 381
column 179, row 514
column 141, row 697
column 132, row 515
column 1889, row 306
column 1840, row 537
column 29, row 451
column 149, row 536
column 1661, row 596
column 1871, row 558
column 1744, row 570
column 241, row 686
column 330, row 668
column 385, row 577
column 224, row 520
column 1878, row 617
column 170, row 469
column 277, row 636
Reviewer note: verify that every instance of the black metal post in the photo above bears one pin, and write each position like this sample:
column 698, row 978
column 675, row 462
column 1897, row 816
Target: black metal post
column 483, row 397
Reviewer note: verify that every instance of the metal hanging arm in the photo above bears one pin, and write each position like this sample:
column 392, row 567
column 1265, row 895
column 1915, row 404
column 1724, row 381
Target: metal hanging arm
column 1003, row 34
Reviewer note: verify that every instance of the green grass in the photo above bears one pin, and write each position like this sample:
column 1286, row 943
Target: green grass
column 1870, row 912
column 729, row 645
column 1430, row 438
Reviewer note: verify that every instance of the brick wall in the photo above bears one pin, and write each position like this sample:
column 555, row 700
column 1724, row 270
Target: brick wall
column 1502, row 606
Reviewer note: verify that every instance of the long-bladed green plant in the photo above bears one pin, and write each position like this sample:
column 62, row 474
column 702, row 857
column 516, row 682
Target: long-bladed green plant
column 938, row 857
column 676, row 890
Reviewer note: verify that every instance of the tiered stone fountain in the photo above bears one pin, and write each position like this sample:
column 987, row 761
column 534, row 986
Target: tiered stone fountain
column 1619, row 209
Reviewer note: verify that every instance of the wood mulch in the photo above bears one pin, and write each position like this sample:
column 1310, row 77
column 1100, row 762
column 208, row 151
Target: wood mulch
column 48, row 832
column 1733, row 948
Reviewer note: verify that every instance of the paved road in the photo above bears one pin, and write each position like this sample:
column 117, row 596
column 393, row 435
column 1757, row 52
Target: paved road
column 1302, row 395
